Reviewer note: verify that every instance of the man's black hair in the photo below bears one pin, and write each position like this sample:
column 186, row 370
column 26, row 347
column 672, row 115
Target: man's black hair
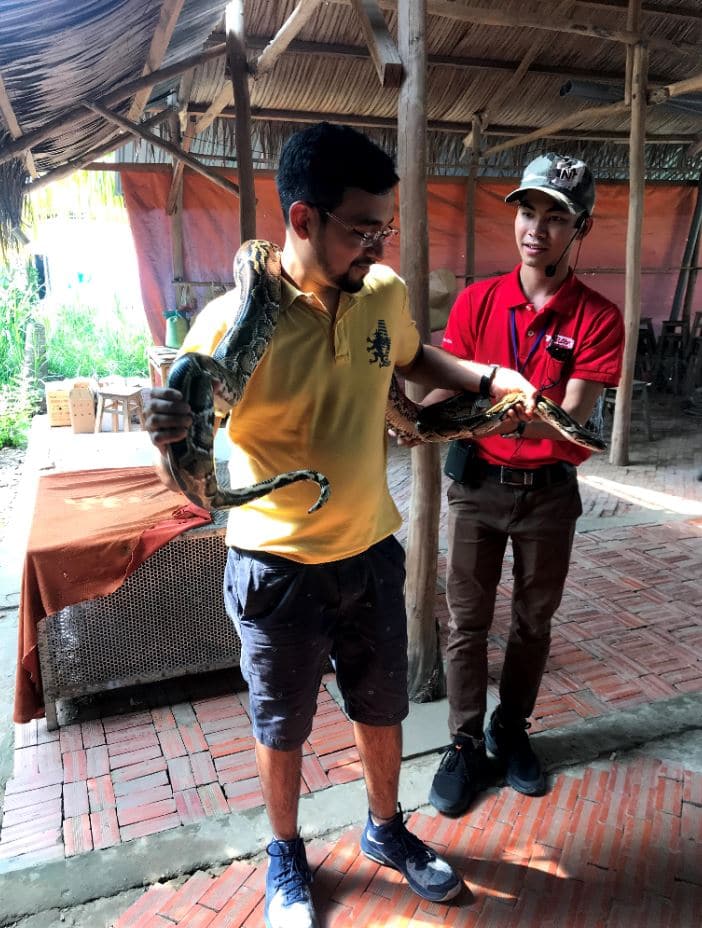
column 317, row 166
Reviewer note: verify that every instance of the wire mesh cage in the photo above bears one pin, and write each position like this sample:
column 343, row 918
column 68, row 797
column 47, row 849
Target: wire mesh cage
column 166, row 620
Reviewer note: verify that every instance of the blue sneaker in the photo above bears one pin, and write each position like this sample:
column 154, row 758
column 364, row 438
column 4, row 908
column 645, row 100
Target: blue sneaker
column 288, row 897
column 392, row 845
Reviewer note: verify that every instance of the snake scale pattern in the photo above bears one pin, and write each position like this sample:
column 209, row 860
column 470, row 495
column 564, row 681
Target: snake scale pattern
column 216, row 383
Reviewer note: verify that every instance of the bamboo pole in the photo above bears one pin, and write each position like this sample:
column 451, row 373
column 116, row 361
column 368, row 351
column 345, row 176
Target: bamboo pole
column 633, row 23
column 619, row 454
column 75, row 115
column 166, row 146
column 236, row 54
column 471, row 185
column 426, row 679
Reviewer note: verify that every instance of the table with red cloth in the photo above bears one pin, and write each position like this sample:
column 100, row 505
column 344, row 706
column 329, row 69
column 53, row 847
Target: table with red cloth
column 90, row 530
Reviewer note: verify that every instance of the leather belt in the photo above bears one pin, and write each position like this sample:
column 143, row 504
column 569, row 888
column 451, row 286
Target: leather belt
column 527, row 478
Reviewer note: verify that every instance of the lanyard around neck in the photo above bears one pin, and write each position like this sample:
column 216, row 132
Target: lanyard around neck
column 515, row 342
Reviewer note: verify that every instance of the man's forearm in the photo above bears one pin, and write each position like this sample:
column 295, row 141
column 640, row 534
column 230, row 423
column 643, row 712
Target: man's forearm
column 436, row 368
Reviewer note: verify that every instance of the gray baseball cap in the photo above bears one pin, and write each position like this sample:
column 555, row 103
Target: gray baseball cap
column 567, row 180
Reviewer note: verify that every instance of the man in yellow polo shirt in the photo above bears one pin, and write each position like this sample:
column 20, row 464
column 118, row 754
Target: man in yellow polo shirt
column 305, row 588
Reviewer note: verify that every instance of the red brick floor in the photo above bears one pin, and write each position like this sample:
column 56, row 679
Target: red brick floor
column 618, row 847
column 629, row 631
column 99, row 783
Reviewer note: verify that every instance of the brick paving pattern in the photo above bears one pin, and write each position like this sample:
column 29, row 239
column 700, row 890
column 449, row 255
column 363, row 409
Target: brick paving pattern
column 617, row 847
column 99, row 783
column 629, row 632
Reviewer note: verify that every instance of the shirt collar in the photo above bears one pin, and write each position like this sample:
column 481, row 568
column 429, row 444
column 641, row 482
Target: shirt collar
column 289, row 293
column 564, row 301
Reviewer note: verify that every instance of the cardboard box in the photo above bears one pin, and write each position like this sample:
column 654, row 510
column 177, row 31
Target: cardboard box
column 57, row 402
column 81, row 407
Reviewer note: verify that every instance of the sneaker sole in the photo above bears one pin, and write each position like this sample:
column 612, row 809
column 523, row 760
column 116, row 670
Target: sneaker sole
column 451, row 894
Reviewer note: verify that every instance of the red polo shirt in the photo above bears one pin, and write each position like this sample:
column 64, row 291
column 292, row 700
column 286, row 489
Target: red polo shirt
column 583, row 327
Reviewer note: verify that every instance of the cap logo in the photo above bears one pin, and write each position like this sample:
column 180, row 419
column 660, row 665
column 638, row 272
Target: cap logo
column 566, row 173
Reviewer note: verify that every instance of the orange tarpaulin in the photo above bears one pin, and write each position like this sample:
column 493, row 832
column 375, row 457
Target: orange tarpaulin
column 90, row 531
column 211, row 235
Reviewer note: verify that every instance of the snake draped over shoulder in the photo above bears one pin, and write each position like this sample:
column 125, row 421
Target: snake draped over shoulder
column 219, row 381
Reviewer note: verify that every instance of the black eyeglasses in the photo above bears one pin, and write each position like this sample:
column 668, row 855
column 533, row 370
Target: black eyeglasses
column 367, row 239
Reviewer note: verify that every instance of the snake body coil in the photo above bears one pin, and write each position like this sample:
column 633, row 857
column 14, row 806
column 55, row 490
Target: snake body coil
column 218, row 382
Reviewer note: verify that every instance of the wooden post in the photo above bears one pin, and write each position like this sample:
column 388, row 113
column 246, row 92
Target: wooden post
column 426, row 679
column 619, row 454
column 471, row 185
column 691, row 283
column 688, row 258
column 236, row 54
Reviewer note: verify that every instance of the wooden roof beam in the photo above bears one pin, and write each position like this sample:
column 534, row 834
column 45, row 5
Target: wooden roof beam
column 566, row 122
column 80, row 163
column 676, row 12
column 265, row 61
column 489, row 16
column 284, row 36
column 689, row 85
column 166, row 146
column 15, row 130
column 463, row 63
column 436, row 125
column 77, row 113
column 170, row 11
column 381, row 45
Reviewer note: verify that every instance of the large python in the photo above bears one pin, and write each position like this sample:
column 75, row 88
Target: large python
column 467, row 416
column 215, row 384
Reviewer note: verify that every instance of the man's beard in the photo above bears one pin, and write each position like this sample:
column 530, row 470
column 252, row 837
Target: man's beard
column 344, row 283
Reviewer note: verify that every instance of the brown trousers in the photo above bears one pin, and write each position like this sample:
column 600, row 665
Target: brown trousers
column 541, row 525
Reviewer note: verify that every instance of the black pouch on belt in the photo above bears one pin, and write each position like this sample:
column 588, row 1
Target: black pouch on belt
column 460, row 456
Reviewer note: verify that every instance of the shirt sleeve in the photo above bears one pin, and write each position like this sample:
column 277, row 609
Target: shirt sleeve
column 600, row 355
column 407, row 335
column 458, row 335
column 210, row 325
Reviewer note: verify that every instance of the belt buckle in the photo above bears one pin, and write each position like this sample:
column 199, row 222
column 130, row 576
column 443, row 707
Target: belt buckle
column 507, row 475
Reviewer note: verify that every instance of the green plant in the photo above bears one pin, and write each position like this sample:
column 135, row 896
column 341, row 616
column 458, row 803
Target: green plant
column 18, row 300
column 15, row 415
column 80, row 343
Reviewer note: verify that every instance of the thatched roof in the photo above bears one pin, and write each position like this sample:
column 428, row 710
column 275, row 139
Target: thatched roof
column 55, row 56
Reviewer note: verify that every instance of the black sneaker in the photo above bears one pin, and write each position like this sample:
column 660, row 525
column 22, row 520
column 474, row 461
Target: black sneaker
column 509, row 743
column 462, row 774
column 288, row 898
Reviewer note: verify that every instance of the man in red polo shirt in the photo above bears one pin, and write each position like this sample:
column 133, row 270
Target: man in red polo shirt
column 568, row 341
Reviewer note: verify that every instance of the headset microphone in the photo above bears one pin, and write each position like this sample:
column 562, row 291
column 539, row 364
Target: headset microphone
column 550, row 269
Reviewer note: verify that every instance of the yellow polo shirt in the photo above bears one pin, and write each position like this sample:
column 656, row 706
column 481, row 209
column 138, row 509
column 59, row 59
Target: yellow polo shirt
column 317, row 400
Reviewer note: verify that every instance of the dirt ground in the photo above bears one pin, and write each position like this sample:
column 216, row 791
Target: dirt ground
column 11, row 461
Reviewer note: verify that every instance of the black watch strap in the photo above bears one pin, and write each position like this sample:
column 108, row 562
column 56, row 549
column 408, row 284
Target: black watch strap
column 486, row 382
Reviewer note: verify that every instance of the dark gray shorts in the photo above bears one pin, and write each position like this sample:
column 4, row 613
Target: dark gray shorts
column 293, row 617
